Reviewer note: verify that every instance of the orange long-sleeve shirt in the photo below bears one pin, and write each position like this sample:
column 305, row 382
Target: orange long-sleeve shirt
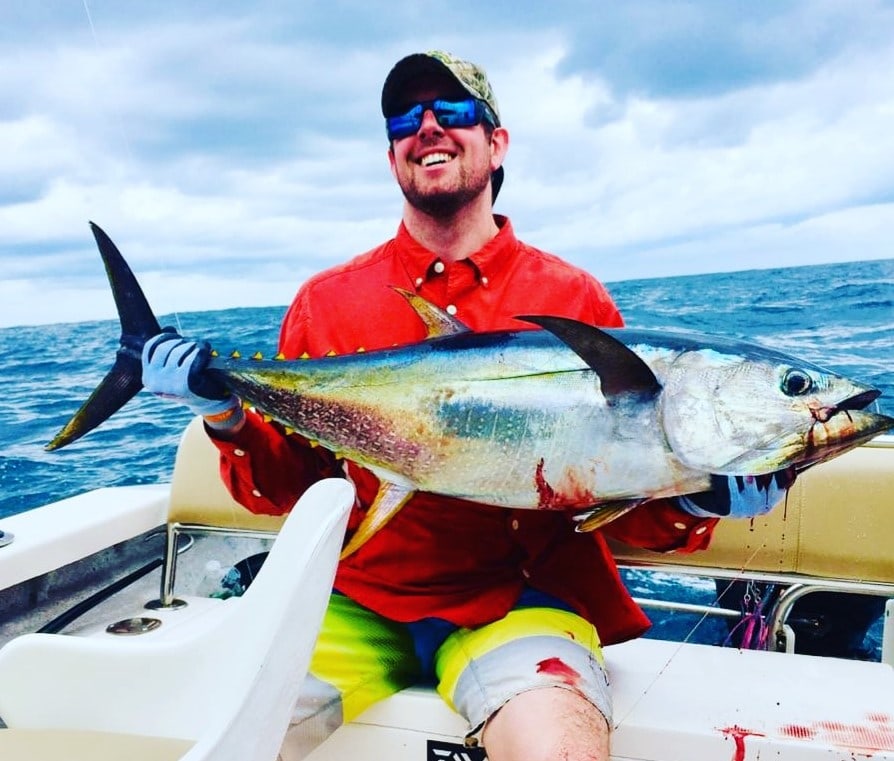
column 440, row 556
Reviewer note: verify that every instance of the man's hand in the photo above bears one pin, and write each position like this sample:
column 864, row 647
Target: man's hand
column 739, row 496
column 174, row 368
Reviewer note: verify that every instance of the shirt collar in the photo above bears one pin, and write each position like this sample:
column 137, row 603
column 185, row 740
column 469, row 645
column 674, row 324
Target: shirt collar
column 422, row 264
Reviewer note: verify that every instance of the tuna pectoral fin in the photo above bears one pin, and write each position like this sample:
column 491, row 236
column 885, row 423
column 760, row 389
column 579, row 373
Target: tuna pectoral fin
column 119, row 386
column 603, row 514
column 388, row 501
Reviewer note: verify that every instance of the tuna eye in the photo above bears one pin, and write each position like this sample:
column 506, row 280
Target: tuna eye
column 796, row 383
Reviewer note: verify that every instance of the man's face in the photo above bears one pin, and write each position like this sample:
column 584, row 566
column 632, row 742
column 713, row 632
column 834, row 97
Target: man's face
column 440, row 170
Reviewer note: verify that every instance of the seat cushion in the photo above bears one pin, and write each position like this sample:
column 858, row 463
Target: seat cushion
column 78, row 745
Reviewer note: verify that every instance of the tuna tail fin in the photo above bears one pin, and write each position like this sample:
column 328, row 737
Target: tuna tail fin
column 138, row 324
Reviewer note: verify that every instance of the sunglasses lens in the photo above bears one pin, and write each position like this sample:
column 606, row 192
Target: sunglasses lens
column 462, row 113
column 404, row 125
column 448, row 113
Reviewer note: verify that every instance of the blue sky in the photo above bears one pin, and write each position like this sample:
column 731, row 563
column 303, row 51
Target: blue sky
column 232, row 149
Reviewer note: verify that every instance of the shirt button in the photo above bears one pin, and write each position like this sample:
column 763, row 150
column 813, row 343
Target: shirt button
column 239, row 452
column 419, row 281
column 439, row 266
column 256, row 493
column 526, row 573
column 484, row 281
column 701, row 529
column 451, row 309
column 514, row 524
column 680, row 526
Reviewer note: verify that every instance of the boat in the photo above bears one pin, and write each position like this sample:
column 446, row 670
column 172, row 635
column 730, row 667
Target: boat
column 128, row 563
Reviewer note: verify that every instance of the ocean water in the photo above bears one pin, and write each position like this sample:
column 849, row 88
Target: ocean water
column 839, row 316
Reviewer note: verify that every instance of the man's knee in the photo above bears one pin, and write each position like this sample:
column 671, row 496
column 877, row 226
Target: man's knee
column 547, row 723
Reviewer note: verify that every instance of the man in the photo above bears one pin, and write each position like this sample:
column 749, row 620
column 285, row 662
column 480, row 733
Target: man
column 505, row 610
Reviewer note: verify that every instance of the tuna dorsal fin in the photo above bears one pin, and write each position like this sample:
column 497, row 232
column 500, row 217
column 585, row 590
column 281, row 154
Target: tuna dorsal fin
column 389, row 499
column 437, row 321
column 621, row 371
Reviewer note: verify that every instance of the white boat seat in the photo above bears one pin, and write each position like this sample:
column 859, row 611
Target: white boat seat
column 227, row 682
column 200, row 503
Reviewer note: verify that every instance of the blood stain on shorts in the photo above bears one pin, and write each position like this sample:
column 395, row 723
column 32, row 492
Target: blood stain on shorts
column 556, row 667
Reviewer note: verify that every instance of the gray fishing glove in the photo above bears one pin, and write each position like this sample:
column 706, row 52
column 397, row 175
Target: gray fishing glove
column 174, row 368
column 739, row 496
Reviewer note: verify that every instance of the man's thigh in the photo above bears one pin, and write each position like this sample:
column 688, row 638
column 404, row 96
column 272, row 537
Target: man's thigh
column 359, row 659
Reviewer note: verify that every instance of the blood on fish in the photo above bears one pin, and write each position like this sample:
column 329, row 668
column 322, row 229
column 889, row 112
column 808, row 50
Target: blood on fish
column 571, row 492
column 546, row 496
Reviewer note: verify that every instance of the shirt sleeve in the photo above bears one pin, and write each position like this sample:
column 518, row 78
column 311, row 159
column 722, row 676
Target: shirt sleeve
column 267, row 469
column 605, row 311
column 661, row 526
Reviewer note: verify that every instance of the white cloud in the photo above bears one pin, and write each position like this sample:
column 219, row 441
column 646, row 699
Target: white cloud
column 232, row 152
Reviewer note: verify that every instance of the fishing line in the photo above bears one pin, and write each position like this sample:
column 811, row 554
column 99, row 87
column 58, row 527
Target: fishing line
column 119, row 121
column 691, row 632
column 741, row 575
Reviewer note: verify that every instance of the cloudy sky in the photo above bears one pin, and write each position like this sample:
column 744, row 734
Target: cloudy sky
column 233, row 148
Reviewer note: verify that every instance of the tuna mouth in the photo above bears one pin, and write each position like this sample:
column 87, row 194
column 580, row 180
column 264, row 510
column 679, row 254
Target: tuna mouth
column 856, row 402
column 847, row 426
column 860, row 401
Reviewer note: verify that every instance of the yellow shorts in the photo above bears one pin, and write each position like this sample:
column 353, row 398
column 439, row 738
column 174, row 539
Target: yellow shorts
column 361, row 658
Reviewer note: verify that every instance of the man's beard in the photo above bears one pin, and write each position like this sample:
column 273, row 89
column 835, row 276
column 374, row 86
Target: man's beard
column 442, row 204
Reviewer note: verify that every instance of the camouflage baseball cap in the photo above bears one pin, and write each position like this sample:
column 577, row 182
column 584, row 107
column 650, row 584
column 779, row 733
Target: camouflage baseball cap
column 468, row 75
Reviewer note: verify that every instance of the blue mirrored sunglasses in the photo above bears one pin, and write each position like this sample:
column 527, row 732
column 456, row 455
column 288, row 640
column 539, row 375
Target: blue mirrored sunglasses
column 448, row 114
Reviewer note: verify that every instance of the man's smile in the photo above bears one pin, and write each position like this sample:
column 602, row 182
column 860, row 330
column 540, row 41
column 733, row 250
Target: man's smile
column 432, row 159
